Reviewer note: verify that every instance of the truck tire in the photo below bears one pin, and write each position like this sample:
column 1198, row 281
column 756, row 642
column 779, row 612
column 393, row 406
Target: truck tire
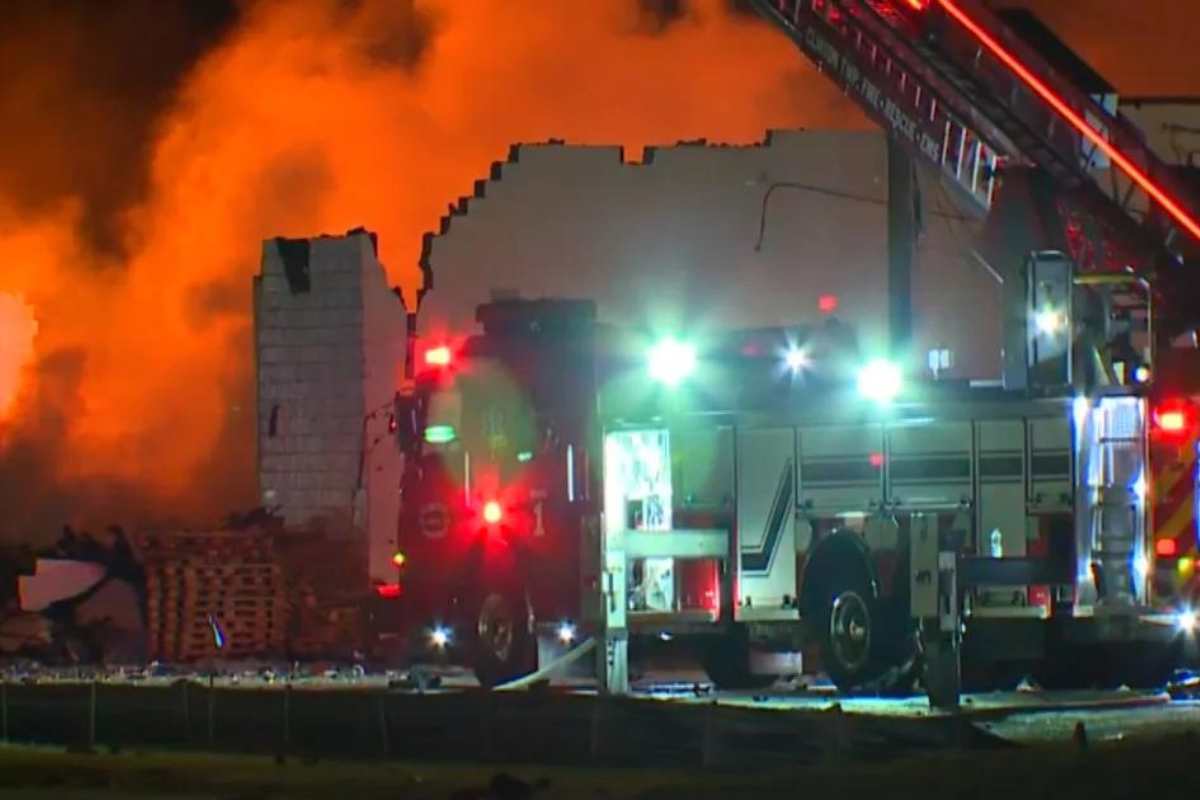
column 504, row 647
column 847, row 623
column 726, row 660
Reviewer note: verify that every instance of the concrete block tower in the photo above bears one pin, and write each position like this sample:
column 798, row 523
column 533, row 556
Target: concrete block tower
column 330, row 343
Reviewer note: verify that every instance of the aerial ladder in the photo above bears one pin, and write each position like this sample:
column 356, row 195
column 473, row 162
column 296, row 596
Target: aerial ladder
column 967, row 96
column 970, row 97
column 1028, row 152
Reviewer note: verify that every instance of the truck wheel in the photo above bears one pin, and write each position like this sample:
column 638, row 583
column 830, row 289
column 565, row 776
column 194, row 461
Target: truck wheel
column 504, row 647
column 847, row 623
column 726, row 660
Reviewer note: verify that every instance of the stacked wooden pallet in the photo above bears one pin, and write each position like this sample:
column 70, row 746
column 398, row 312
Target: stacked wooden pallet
column 216, row 594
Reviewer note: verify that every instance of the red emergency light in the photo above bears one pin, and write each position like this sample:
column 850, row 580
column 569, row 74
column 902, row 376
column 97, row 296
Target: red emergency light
column 1172, row 418
column 917, row 5
column 1166, row 548
column 439, row 356
column 1076, row 120
column 493, row 512
column 827, row 303
column 1172, row 421
column 388, row 591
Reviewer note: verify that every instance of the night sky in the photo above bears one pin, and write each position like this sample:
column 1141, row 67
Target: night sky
column 150, row 145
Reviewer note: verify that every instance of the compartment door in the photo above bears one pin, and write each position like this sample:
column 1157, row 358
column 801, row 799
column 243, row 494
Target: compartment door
column 766, row 491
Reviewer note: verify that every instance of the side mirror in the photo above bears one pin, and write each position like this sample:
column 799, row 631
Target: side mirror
column 406, row 418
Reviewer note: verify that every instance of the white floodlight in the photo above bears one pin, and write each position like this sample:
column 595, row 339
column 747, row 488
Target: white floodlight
column 880, row 380
column 672, row 361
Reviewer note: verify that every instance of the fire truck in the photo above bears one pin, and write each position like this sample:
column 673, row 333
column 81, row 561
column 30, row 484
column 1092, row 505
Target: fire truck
column 757, row 490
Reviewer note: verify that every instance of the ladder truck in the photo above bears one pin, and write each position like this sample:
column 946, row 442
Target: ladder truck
column 759, row 490
column 993, row 103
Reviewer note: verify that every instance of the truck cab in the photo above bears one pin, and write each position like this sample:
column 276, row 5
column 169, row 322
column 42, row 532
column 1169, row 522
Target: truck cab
column 497, row 482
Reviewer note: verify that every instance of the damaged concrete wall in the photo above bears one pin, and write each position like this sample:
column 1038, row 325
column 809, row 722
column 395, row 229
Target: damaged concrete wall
column 384, row 334
column 329, row 347
column 672, row 241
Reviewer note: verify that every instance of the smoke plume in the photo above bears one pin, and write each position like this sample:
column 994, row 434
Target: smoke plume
column 150, row 147
column 136, row 248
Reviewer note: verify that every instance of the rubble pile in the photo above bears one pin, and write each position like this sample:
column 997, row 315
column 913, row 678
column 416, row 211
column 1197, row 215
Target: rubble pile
column 81, row 600
column 247, row 588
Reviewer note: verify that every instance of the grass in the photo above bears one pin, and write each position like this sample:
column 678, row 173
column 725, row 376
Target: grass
column 1160, row 768
column 48, row 772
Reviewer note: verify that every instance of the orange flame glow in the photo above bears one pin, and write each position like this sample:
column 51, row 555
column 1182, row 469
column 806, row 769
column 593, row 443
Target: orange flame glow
column 319, row 117
column 17, row 331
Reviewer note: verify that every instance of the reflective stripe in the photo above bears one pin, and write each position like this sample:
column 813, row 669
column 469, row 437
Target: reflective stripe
column 1166, row 480
column 1174, row 501
column 1173, row 472
column 1178, row 520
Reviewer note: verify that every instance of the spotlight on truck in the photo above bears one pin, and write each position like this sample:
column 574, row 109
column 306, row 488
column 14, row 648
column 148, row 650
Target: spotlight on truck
column 1185, row 621
column 566, row 632
column 880, row 381
column 797, row 360
column 672, row 361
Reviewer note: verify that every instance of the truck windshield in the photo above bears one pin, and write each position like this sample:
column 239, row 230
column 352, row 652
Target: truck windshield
column 498, row 419
column 483, row 419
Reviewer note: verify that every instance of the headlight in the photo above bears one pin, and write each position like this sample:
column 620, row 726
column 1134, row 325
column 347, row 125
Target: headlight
column 439, row 637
